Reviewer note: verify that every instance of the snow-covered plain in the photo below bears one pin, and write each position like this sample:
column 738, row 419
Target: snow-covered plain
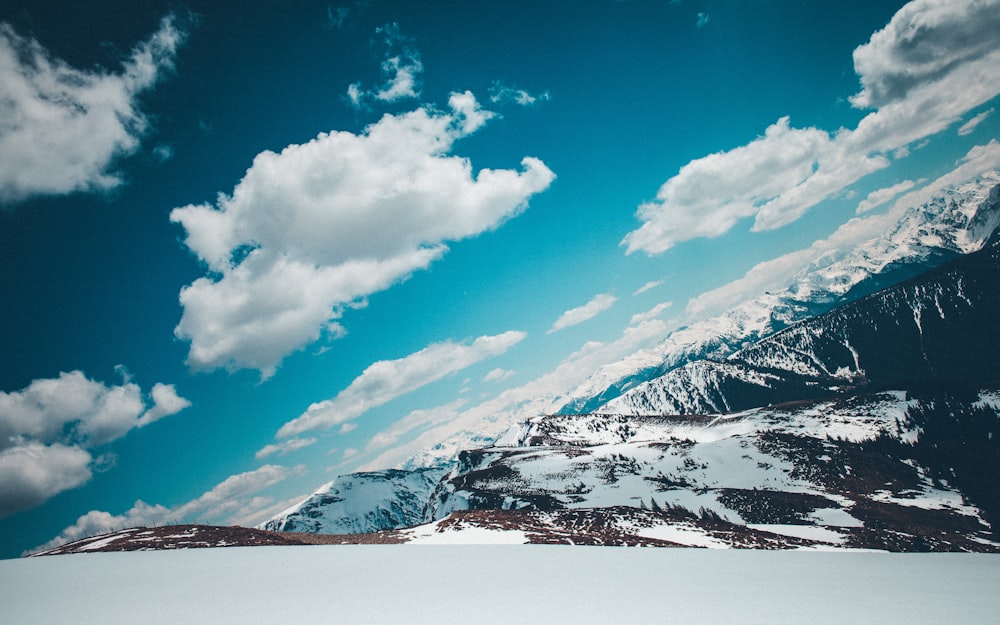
column 483, row 584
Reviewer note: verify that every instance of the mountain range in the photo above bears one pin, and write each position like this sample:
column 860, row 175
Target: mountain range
column 856, row 407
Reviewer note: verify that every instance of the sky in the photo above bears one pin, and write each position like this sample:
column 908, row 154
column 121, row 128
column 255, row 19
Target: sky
column 247, row 247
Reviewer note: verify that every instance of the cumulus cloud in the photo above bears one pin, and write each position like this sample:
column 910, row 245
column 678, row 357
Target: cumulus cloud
column 31, row 473
column 284, row 447
column 768, row 177
column 925, row 41
column 386, row 380
column 501, row 93
column 62, row 128
column 232, row 499
column 922, row 73
column 315, row 229
column 969, row 126
column 47, row 428
column 402, row 71
column 881, row 196
column 578, row 315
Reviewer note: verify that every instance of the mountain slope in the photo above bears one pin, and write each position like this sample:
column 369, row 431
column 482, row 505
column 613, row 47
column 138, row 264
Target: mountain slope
column 940, row 327
column 892, row 440
column 847, row 473
column 957, row 221
column 359, row 503
column 933, row 328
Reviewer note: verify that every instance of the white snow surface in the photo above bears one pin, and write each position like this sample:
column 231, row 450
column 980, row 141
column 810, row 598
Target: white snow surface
column 440, row 585
column 601, row 460
column 360, row 502
column 435, row 534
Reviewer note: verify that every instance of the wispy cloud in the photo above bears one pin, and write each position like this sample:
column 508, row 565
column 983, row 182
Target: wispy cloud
column 359, row 213
column 61, row 128
column 703, row 19
column 417, row 420
column 232, row 499
column 881, row 196
column 501, row 93
column 939, row 59
column 498, row 375
column 778, row 272
column 650, row 314
column 48, row 429
column 386, row 380
column 402, row 71
column 284, row 447
column 969, row 126
column 578, row 315
column 452, row 426
column 648, row 286
column 336, row 16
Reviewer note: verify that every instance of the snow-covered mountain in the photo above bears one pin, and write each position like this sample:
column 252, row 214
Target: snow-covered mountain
column 846, row 456
column 888, row 435
column 858, row 472
column 939, row 327
column 358, row 503
column 956, row 221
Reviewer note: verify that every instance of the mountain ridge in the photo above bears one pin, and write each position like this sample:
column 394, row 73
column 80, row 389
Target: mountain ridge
column 756, row 355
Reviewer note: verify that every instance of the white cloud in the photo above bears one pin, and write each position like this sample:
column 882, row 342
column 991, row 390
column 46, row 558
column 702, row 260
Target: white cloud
column 578, row 315
column 528, row 400
column 315, row 229
column 284, row 447
column 418, row 419
column 548, row 392
column 31, row 473
column 648, row 286
column 231, row 500
column 47, row 427
column 650, row 314
column 777, row 273
column 969, row 126
column 778, row 175
column 226, row 495
column 61, row 128
column 498, row 375
column 73, row 408
column 703, row 19
column 881, row 196
column 402, row 70
column 355, row 94
column 922, row 72
column 925, row 41
column 386, row 380
column 166, row 402
column 501, row 93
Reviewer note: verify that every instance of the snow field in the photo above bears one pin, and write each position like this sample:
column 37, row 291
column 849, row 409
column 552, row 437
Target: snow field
column 440, row 585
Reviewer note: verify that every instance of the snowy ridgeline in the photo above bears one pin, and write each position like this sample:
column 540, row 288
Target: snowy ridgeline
column 814, row 456
column 372, row 585
column 955, row 221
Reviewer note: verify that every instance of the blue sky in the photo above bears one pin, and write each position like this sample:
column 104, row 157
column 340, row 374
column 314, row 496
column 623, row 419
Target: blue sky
column 246, row 247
